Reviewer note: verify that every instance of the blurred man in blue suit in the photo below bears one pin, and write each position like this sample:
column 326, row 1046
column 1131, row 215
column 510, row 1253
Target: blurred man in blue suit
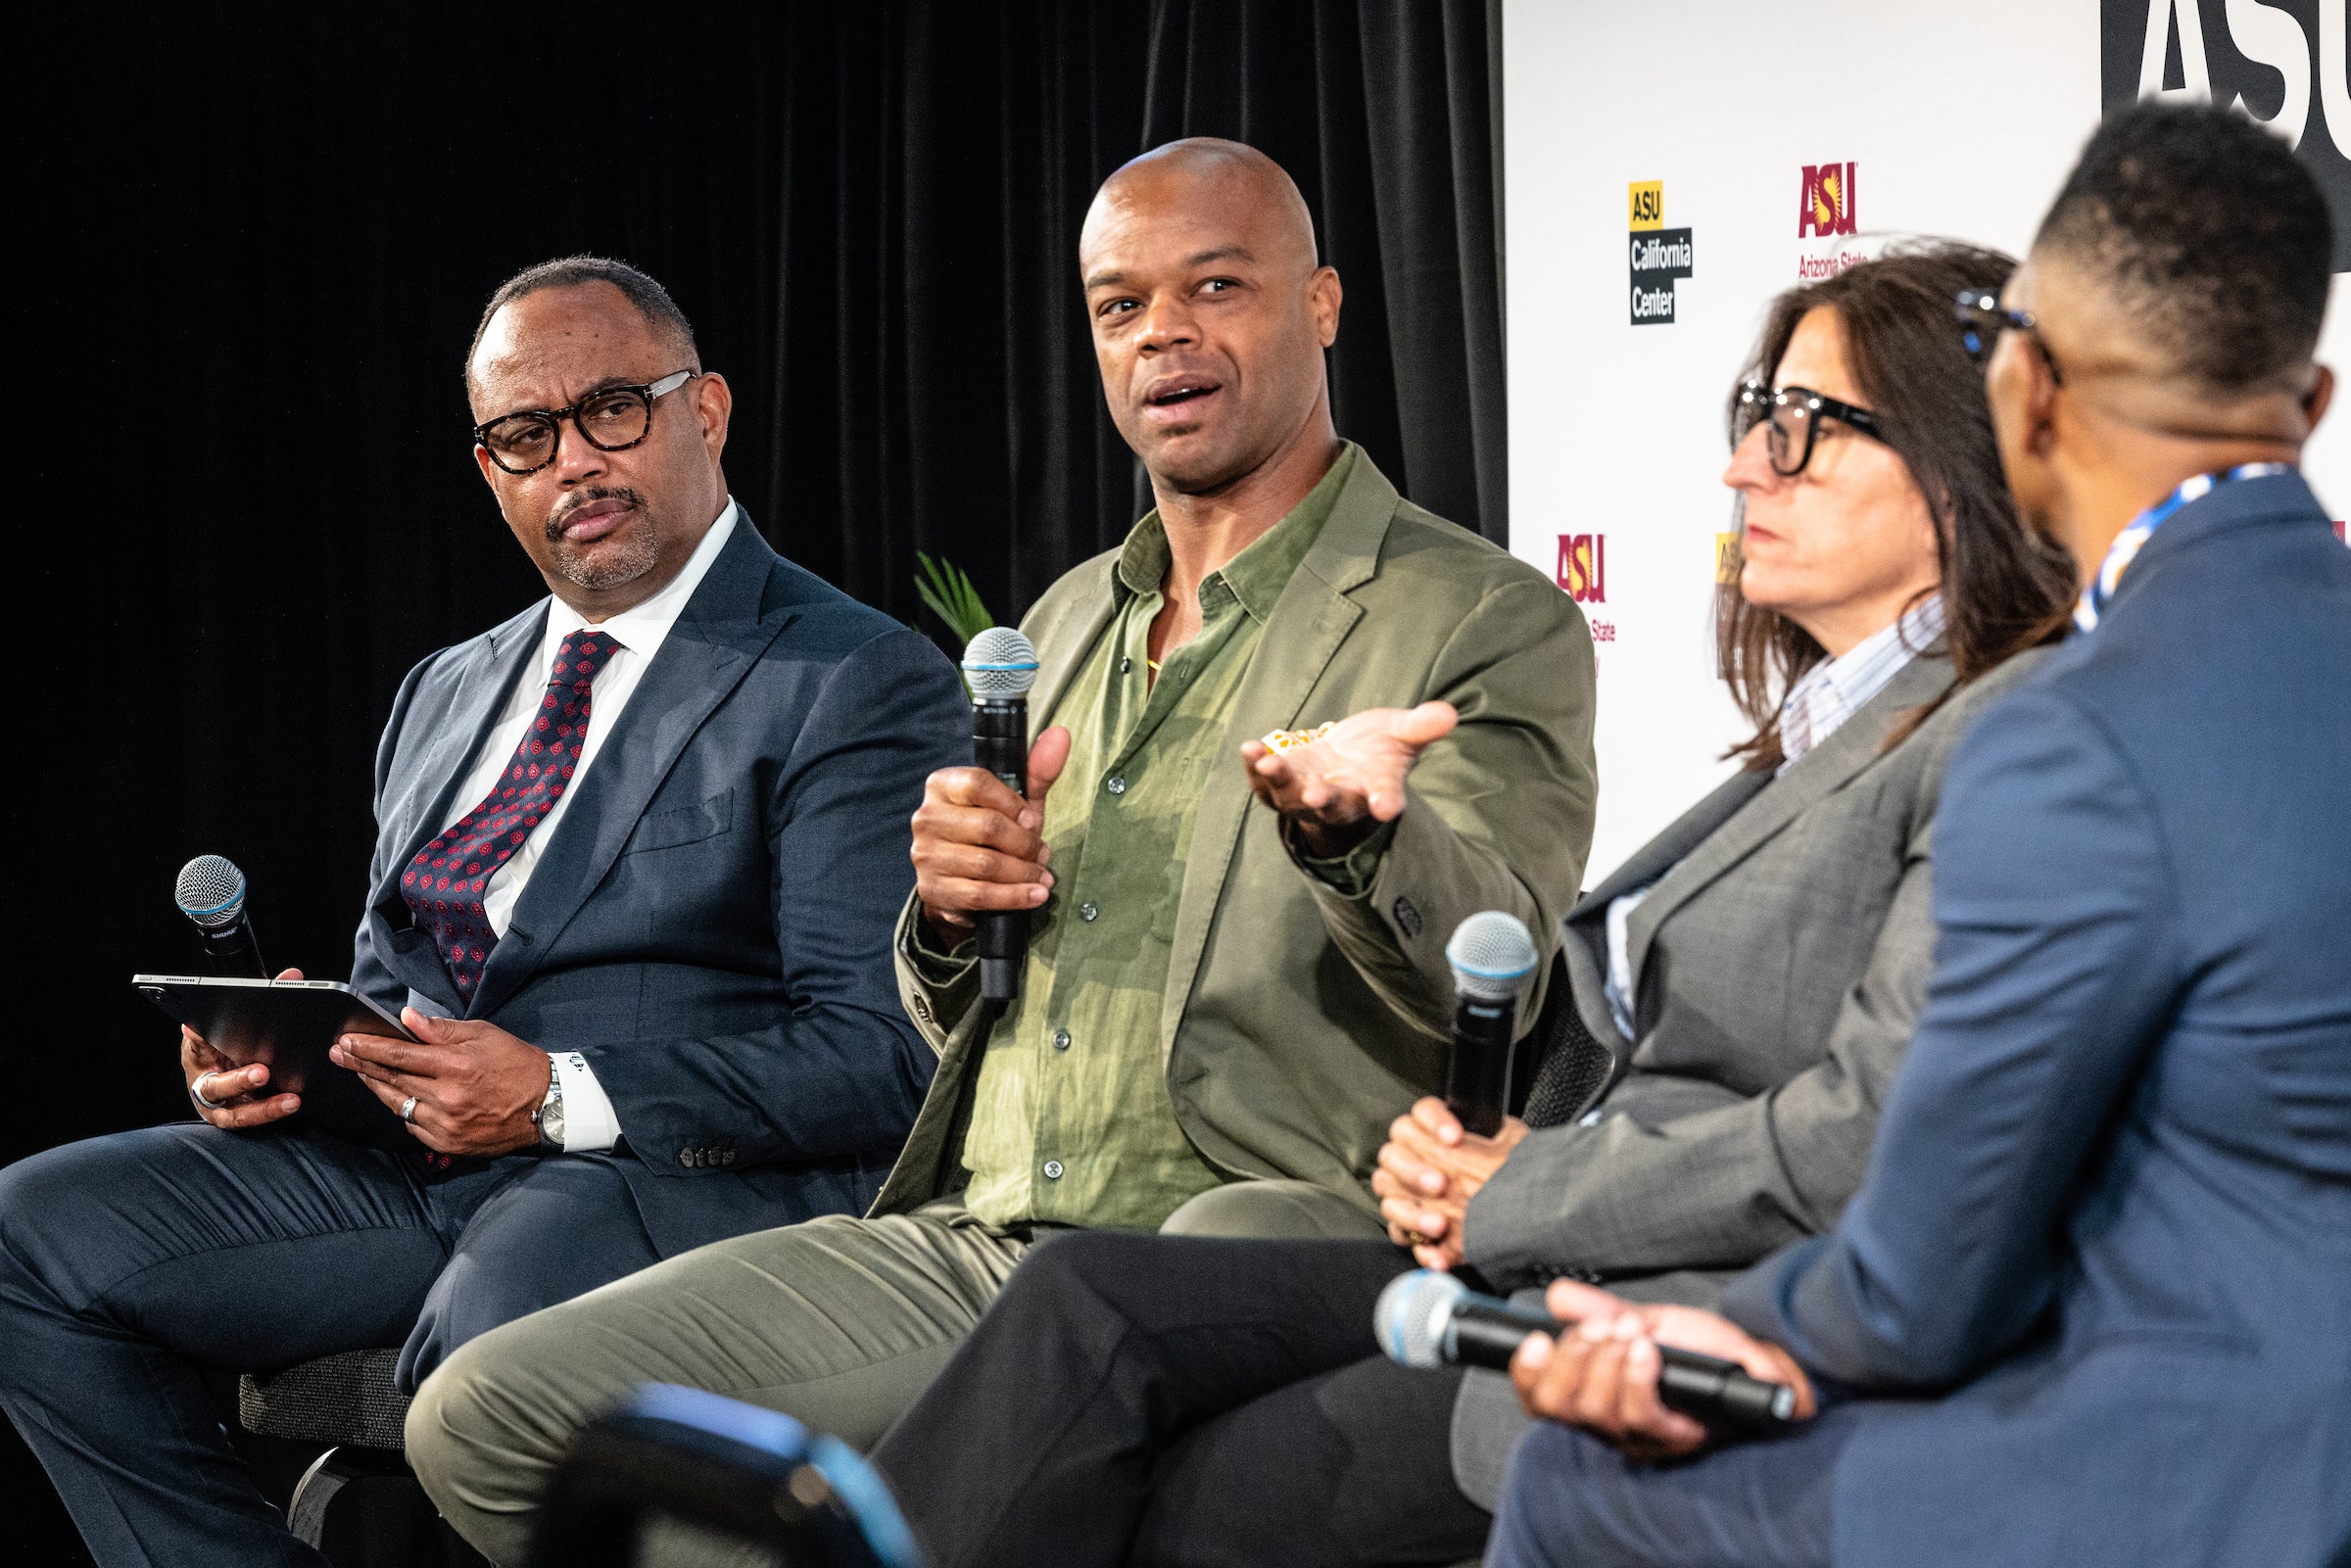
column 2092, row 1303
column 640, row 852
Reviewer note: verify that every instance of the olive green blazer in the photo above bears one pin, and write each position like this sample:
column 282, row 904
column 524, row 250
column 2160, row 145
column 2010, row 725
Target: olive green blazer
column 1299, row 1020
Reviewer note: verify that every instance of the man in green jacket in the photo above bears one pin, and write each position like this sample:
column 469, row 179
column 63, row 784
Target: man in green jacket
column 1235, row 976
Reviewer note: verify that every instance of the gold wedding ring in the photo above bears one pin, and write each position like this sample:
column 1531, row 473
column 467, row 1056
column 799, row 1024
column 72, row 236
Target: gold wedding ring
column 1279, row 742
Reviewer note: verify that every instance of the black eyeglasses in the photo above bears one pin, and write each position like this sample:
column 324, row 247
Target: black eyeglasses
column 1794, row 415
column 1982, row 320
column 613, row 419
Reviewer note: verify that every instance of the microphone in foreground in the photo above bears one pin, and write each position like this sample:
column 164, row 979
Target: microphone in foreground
column 772, row 1490
column 1492, row 956
column 1427, row 1319
column 999, row 665
column 212, row 892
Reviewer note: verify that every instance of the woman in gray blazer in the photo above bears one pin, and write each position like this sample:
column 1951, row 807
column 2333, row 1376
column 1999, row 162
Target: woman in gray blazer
column 1753, row 973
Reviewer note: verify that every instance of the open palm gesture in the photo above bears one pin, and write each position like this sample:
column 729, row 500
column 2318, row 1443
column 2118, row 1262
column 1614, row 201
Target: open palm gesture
column 1336, row 790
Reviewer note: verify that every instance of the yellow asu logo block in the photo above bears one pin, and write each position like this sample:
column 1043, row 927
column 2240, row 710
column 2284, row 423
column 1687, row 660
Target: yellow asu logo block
column 1726, row 557
column 1648, row 199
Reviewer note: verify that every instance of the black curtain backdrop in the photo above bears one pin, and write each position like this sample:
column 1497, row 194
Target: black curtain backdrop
column 933, row 385
column 252, row 244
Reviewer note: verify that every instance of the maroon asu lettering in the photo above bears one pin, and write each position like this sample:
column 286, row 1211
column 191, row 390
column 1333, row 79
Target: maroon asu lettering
column 1583, row 568
column 1828, row 201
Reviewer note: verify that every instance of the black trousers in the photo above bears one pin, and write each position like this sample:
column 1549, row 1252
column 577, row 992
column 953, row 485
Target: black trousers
column 1162, row 1399
column 129, row 1263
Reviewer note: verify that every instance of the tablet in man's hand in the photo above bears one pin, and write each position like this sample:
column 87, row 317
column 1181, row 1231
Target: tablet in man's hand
column 289, row 1025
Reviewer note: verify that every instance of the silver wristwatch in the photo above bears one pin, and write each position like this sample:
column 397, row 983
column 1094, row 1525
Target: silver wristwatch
column 549, row 1118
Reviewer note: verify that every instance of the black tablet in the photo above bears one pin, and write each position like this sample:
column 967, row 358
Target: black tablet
column 290, row 1025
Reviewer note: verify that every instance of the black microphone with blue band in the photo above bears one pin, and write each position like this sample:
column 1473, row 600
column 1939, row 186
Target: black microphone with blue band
column 1428, row 1319
column 999, row 666
column 1491, row 954
column 210, row 892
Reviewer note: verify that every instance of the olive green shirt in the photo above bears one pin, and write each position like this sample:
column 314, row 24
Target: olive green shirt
column 1305, row 1005
column 1071, row 1121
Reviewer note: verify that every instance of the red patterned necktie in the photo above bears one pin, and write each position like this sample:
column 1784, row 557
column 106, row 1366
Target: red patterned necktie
column 445, row 882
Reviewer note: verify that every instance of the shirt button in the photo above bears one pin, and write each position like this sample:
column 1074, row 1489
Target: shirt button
column 1052, row 1171
column 1060, row 1039
column 1116, row 785
column 1126, row 665
column 1088, row 911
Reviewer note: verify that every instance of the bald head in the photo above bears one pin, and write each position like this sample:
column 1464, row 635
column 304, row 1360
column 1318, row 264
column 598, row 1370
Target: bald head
column 1209, row 314
column 1240, row 185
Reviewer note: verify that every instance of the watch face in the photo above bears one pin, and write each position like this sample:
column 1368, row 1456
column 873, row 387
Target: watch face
column 551, row 1123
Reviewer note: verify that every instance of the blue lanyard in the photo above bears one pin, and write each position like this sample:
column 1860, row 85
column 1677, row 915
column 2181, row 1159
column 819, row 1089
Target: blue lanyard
column 2128, row 543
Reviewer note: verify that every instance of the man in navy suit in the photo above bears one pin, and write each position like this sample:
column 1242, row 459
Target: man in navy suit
column 2093, row 1302
column 640, row 849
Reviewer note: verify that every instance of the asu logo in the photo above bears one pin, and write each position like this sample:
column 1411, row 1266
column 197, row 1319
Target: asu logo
column 1659, row 255
column 1583, row 570
column 1827, row 207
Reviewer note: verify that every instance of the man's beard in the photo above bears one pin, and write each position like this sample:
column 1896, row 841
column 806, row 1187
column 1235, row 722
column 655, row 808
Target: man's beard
column 618, row 557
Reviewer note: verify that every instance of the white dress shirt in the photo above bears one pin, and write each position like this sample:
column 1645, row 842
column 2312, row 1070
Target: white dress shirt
column 588, row 1120
column 1814, row 709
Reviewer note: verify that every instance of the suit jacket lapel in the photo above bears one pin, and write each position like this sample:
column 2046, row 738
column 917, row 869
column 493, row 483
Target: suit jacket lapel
column 1060, row 652
column 1309, row 621
column 1662, row 853
column 1584, row 931
column 429, row 801
column 1825, row 769
column 717, row 639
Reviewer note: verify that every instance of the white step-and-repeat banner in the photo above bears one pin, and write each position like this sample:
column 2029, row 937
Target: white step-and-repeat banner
column 1671, row 165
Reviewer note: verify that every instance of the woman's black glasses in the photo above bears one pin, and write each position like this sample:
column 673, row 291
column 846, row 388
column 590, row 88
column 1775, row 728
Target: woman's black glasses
column 1794, row 415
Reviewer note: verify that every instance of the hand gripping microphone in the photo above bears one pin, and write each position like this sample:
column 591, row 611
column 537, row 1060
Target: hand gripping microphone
column 212, row 894
column 1427, row 1319
column 1000, row 666
column 1491, row 956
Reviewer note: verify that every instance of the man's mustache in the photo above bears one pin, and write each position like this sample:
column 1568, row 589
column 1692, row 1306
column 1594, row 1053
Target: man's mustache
column 557, row 519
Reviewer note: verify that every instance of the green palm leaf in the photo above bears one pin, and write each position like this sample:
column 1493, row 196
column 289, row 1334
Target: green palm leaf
column 950, row 596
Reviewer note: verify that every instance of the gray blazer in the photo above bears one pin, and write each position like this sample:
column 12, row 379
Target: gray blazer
column 1777, row 969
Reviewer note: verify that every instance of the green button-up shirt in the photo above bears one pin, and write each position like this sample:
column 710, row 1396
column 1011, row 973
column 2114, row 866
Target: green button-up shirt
column 1071, row 1121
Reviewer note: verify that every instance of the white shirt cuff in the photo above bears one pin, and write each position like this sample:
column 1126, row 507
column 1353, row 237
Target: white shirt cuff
column 589, row 1122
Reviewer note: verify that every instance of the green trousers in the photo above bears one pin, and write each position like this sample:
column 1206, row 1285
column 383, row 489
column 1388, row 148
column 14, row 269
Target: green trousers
column 839, row 1322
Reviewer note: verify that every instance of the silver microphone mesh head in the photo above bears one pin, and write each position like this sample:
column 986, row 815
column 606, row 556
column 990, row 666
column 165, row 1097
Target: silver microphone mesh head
column 999, row 664
column 1412, row 1316
column 1491, row 956
column 211, row 891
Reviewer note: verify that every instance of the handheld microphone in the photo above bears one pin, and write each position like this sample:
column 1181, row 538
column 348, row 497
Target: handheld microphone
column 999, row 665
column 1491, row 956
column 756, row 1479
column 1427, row 1319
column 212, row 892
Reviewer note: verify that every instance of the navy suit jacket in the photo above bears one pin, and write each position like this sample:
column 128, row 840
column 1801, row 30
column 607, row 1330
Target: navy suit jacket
column 2104, row 1241
column 710, row 924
